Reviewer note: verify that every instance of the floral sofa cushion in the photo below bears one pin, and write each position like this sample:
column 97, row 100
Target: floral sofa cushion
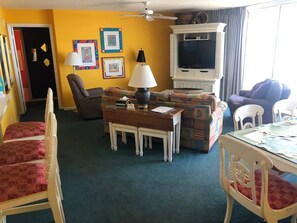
column 201, row 99
column 119, row 92
column 158, row 96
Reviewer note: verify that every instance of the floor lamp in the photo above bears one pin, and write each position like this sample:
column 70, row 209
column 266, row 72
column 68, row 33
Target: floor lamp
column 73, row 59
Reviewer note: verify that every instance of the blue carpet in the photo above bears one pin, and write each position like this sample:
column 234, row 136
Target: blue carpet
column 101, row 185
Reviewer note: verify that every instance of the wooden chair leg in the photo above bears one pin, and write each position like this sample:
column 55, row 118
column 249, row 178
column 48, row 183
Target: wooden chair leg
column 230, row 201
column 56, row 206
column 2, row 218
column 294, row 218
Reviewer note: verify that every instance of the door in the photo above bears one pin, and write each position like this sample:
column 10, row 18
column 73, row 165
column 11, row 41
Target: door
column 39, row 61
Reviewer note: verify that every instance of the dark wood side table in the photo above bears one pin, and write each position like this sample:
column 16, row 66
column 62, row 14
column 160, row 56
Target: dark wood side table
column 169, row 121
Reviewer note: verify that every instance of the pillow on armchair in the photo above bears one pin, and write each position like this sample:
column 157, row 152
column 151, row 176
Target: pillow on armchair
column 261, row 90
column 255, row 87
column 264, row 93
column 274, row 93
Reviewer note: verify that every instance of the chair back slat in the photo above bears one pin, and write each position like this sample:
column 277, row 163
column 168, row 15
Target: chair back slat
column 237, row 173
column 49, row 106
column 284, row 109
column 50, row 141
column 245, row 116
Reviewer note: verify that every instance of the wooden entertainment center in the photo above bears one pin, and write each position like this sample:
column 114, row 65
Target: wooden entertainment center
column 204, row 73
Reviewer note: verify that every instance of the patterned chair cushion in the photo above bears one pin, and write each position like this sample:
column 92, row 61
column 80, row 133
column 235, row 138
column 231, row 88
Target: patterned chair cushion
column 21, row 151
column 20, row 180
column 24, row 129
column 281, row 193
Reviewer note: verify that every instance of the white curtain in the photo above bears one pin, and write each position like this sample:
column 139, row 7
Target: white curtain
column 271, row 45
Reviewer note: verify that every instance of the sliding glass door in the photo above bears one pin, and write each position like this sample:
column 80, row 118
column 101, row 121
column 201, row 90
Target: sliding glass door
column 271, row 45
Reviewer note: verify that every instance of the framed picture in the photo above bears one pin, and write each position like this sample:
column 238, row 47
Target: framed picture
column 113, row 67
column 111, row 40
column 88, row 51
column 7, row 58
column 3, row 67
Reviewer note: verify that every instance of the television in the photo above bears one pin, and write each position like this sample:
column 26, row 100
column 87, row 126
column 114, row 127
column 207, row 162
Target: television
column 197, row 54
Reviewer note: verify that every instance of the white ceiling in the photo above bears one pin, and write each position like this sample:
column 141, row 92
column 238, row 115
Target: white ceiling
column 129, row 5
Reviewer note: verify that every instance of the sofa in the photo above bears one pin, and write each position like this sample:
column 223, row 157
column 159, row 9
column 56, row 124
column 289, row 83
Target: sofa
column 202, row 118
column 264, row 93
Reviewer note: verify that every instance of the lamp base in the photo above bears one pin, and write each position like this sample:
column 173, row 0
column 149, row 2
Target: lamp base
column 142, row 107
column 142, row 96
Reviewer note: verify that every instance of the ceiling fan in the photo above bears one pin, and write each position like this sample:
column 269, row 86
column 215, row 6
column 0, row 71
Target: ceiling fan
column 149, row 14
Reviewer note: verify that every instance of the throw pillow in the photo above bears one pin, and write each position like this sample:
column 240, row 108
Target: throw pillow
column 249, row 94
column 275, row 91
column 286, row 92
column 261, row 91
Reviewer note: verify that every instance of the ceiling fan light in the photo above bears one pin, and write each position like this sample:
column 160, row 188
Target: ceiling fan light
column 149, row 18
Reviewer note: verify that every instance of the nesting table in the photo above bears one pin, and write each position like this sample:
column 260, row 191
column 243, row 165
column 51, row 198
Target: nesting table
column 145, row 118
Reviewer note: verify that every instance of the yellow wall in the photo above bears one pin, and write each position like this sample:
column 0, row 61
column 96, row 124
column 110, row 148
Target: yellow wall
column 137, row 33
column 13, row 110
column 69, row 25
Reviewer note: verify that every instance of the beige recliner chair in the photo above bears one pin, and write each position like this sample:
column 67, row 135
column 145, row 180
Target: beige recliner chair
column 87, row 101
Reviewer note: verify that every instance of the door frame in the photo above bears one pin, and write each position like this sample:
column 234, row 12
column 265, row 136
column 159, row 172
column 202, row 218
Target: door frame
column 10, row 28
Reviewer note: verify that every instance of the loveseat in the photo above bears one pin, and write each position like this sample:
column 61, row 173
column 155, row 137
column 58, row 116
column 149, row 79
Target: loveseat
column 202, row 119
column 264, row 93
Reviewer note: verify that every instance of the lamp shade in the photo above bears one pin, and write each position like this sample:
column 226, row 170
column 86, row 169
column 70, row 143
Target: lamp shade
column 140, row 57
column 73, row 59
column 142, row 77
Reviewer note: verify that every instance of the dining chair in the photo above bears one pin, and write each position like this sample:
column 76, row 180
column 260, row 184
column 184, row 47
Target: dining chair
column 284, row 109
column 31, row 130
column 252, row 185
column 30, row 187
column 245, row 116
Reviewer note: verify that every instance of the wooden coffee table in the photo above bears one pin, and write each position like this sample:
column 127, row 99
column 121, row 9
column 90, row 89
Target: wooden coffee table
column 169, row 121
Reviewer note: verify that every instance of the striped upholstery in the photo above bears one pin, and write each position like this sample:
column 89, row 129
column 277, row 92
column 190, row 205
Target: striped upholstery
column 24, row 129
column 31, row 178
column 281, row 193
column 21, row 151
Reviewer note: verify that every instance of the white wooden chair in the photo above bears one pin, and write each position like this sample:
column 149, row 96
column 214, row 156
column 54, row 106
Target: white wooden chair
column 284, row 109
column 276, row 199
column 30, row 187
column 245, row 112
column 31, row 130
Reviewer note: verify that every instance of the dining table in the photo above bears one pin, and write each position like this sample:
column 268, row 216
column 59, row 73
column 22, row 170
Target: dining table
column 277, row 140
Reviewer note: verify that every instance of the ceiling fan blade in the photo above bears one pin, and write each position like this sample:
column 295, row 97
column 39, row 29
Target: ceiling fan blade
column 135, row 16
column 165, row 17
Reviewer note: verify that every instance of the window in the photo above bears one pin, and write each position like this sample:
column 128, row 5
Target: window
column 271, row 45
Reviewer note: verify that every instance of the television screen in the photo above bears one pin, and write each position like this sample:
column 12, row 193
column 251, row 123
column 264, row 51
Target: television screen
column 199, row 54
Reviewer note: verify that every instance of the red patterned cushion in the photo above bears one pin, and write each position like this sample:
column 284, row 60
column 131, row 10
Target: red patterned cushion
column 21, row 180
column 24, row 129
column 21, row 151
column 281, row 193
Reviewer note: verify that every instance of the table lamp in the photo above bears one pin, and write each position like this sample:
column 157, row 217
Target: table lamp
column 73, row 59
column 143, row 79
column 140, row 56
